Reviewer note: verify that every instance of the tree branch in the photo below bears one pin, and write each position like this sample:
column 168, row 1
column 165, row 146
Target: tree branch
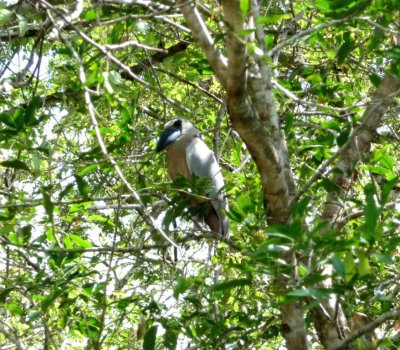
column 126, row 250
column 390, row 315
column 359, row 142
column 200, row 33
column 332, row 328
column 156, row 58
column 113, row 59
column 304, row 33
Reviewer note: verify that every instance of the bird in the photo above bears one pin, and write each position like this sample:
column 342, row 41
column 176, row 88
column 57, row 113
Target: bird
column 188, row 156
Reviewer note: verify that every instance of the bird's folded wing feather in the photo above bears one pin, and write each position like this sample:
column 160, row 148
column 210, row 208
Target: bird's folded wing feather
column 201, row 162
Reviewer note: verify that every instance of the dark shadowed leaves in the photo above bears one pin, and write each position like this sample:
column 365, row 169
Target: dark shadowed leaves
column 149, row 340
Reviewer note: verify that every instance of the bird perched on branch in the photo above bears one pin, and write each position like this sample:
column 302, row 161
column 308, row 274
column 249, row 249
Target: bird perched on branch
column 188, row 156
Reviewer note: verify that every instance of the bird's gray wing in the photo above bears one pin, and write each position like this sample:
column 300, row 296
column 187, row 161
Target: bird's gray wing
column 202, row 163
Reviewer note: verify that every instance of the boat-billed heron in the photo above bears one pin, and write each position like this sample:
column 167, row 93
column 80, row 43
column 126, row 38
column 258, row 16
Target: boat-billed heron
column 187, row 155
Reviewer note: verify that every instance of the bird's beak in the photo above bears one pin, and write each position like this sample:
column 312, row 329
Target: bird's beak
column 168, row 136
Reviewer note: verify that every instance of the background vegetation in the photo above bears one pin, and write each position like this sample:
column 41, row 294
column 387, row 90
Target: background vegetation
column 85, row 88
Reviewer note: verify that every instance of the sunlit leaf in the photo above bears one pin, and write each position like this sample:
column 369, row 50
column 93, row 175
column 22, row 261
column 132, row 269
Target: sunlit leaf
column 22, row 25
column 244, row 6
column 90, row 15
column 269, row 40
column 5, row 16
column 364, row 267
column 350, row 267
column 78, row 241
column 273, row 18
column 15, row 309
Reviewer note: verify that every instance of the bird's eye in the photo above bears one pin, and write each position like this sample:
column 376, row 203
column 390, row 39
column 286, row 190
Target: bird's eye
column 178, row 123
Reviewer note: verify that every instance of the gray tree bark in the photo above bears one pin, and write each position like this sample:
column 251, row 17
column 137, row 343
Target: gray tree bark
column 253, row 113
column 331, row 324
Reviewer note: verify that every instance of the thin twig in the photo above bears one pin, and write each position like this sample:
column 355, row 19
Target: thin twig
column 113, row 59
column 360, row 213
column 133, row 43
column 304, row 33
column 92, row 112
column 128, row 250
column 374, row 104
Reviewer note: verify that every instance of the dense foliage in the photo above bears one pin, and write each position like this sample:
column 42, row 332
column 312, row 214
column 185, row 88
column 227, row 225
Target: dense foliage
column 85, row 89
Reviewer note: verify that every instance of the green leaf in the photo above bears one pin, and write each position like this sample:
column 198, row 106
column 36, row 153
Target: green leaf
column 350, row 267
column 7, row 119
column 329, row 185
column 269, row 247
column 339, row 266
column 375, row 79
column 288, row 233
column 322, row 5
column 65, row 191
column 48, row 204
column 344, row 49
column 15, row 309
column 19, row 118
column 4, row 292
column 90, row 15
column 387, row 189
column 6, row 16
column 149, row 340
column 100, row 218
column 363, row 265
column 244, row 6
column 29, row 117
column 331, row 124
column 301, row 207
column 22, row 25
column 180, row 286
column 15, row 164
column 340, row 4
column 25, row 233
column 271, row 18
column 83, row 186
column 311, row 292
column 341, row 8
column 230, row 284
column 92, row 328
column 377, row 169
column 34, row 315
column 88, row 169
column 269, row 41
column 67, row 242
column 170, row 338
column 115, row 78
column 79, row 241
column 343, row 137
column 331, row 53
